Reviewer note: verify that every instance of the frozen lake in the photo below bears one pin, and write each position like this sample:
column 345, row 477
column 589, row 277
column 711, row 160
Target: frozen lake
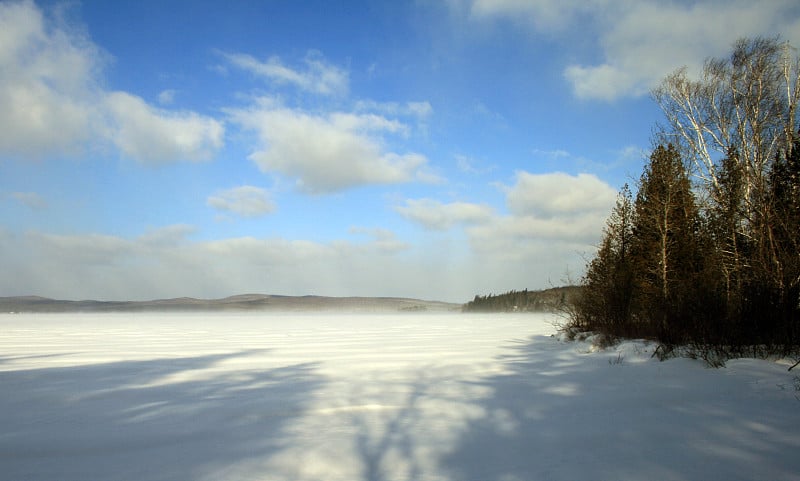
column 374, row 397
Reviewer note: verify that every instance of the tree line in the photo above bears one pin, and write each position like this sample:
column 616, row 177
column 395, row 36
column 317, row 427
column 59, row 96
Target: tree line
column 548, row 300
column 706, row 253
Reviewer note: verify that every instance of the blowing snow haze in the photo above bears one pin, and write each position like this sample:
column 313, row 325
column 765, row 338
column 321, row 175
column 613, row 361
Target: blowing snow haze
column 431, row 150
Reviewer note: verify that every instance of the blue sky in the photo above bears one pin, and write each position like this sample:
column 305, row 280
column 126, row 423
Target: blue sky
column 432, row 149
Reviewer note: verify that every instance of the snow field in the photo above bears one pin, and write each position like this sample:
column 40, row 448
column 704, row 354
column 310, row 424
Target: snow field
column 375, row 397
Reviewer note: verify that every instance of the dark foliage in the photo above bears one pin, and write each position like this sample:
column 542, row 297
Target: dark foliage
column 548, row 300
column 714, row 266
column 711, row 281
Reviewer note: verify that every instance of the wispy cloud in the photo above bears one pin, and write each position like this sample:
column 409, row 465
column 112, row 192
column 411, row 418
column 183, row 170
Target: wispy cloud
column 31, row 200
column 381, row 239
column 245, row 201
column 472, row 166
column 167, row 97
column 420, row 110
column 318, row 76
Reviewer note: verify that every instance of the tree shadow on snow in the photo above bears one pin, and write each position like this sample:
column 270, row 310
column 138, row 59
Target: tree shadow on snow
column 558, row 414
column 160, row 419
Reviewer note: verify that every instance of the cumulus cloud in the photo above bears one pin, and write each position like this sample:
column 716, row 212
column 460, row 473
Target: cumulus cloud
column 329, row 152
column 557, row 194
column 557, row 211
column 153, row 135
column 52, row 102
column 514, row 236
column 551, row 220
column 318, row 76
column 436, row 215
column 46, row 84
column 245, row 200
column 643, row 41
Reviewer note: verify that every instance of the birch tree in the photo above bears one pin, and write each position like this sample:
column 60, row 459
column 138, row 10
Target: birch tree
column 747, row 102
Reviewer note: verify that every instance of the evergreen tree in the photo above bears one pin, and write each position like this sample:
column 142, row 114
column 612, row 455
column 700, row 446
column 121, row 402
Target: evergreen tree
column 729, row 278
column 608, row 286
column 784, row 203
column 666, row 246
column 726, row 226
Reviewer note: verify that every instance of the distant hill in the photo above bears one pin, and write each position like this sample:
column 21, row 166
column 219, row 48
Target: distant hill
column 244, row 302
column 548, row 300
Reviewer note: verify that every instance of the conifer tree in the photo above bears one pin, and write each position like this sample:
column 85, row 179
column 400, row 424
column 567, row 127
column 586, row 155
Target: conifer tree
column 726, row 226
column 784, row 203
column 666, row 247
column 608, row 283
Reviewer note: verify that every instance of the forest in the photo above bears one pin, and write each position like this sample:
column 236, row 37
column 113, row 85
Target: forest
column 547, row 300
column 704, row 251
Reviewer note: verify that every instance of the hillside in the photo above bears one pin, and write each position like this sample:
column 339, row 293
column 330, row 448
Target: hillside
column 244, row 302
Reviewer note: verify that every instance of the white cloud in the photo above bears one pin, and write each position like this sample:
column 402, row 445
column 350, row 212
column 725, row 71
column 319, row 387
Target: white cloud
column 435, row 215
column 504, row 233
column 552, row 221
column 556, row 215
column 153, row 135
column 556, row 154
column 507, row 252
column 420, row 110
column 557, row 194
column 52, row 102
column 245, row 200
column 643, row 41
column 472, row 166
column 384, row 240
column 171, row 235
column 46, row 84
column 319, row 76
column 166, row 263
column 545, row 15
column 167, row 97
column 326, row 153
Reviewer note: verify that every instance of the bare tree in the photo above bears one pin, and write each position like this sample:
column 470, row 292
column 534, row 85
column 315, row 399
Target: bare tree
column 747, row 102
column 734, row 125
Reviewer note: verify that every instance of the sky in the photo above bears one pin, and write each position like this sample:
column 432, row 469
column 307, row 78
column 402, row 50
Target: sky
column 430, row 149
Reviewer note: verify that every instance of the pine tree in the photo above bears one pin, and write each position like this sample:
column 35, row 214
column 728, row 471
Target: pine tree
column 605, row 304
column 726, row 225
column 784, row 204
column 666, row 248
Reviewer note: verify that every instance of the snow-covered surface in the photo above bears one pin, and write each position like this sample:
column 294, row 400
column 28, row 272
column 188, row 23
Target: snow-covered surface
column 373, row 398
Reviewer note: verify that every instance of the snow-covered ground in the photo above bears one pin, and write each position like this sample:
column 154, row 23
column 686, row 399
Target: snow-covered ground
column 375, row 397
